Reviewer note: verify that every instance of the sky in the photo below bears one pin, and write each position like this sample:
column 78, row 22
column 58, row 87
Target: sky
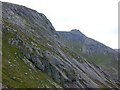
column 97, row 19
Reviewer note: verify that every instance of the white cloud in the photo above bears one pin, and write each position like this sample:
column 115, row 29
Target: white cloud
column 97, row 19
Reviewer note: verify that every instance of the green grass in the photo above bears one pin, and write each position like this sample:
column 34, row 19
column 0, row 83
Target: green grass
column 0, row 56
column 101, row 85
column 100, row 59
column 16, row 73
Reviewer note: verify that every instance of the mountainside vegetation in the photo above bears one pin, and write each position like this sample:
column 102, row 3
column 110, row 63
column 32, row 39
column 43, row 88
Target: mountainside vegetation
column 35, row 55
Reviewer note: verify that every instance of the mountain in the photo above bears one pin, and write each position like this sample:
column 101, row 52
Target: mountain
column 94, row 51
column 35, row 55
column 88, row 45
column 118, row 50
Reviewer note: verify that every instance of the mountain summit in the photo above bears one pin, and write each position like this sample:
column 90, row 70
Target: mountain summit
column 37, row 56
column 75, row 31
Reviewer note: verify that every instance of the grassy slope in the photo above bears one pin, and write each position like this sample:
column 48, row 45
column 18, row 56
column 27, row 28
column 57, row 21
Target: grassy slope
column 103, row 60
column 18, row 74
column 0, row 56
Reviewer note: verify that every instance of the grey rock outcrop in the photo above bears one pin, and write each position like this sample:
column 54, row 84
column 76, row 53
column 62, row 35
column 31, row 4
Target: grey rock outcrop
column 33, row 35
column 93, row 51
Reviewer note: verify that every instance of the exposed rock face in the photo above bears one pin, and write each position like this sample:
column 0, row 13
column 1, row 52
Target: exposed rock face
column 88, row 45
column 118, row 50
column 93, row 51
column 30, row 42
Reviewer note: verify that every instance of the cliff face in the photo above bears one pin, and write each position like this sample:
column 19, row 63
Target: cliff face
column 93, row 51
column 35, row 56
column 91, row 46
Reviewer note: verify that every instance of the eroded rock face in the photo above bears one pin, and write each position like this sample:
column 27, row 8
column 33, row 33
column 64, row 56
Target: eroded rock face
column 35, row 37
column 93, row 51
column 91, row 46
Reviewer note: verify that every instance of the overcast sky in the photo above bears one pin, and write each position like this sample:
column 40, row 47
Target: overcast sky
column 97, row 19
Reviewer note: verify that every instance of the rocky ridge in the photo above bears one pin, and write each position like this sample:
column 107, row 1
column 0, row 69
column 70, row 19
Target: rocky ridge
column 33, row 51
column 93, row 51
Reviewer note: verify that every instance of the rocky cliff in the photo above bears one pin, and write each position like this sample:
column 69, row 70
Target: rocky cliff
column 94, row 51
column 37, row 56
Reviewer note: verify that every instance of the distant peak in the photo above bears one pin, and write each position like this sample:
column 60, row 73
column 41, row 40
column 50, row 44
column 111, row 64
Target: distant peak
column 75, row 30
